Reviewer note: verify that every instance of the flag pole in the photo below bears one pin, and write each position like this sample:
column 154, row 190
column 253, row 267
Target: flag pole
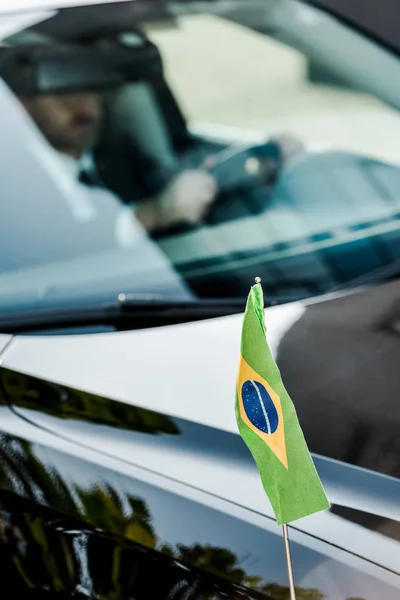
column 288, row 561
column 286, row 540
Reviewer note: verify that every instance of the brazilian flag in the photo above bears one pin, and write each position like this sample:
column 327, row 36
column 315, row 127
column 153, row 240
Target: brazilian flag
column 268, row 424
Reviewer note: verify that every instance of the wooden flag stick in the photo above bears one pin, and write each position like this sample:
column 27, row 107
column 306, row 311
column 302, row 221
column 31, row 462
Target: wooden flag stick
column 288, row 561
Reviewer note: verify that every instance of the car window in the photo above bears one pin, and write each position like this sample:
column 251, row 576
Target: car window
column 333, row 215
column 241, row 79
column 60, row 240
column 293, row 116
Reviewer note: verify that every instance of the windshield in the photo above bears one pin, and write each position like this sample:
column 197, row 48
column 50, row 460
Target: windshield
column 183, row 149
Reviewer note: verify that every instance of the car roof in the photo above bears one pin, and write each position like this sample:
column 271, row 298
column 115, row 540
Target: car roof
column 15, row 6
column 378, row 20
column 74, row 19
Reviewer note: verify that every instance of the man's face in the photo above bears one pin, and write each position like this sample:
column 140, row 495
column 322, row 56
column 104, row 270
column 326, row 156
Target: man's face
column 70, row 122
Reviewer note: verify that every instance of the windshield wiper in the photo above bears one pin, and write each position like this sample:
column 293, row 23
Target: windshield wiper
column 128, row 311
column 149, row 303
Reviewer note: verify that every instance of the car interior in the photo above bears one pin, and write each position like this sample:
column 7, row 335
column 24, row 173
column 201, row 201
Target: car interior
column 299, row 215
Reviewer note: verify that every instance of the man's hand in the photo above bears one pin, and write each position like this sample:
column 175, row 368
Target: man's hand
column 185, row 199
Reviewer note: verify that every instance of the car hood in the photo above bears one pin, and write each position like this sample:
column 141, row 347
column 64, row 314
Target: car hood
column 188, row 372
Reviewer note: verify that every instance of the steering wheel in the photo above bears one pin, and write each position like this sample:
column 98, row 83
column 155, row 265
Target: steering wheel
column 245, row 176
column 237, row 167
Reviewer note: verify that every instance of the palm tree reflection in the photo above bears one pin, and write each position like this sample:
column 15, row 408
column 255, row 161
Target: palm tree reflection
column 62, row 402
column 73, row 558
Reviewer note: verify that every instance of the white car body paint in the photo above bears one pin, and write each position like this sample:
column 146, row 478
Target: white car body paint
column 186, row 371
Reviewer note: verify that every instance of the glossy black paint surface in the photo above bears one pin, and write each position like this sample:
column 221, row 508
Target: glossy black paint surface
column 52, row 553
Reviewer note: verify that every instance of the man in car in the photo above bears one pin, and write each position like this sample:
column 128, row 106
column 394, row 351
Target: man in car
column 71, row 122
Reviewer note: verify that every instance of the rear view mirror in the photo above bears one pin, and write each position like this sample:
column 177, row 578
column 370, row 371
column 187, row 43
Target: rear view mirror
column 34, row 70
column 74, row 69
column 31, row 70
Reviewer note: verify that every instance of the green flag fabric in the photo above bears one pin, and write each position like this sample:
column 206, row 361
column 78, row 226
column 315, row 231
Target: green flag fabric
column 268, row 424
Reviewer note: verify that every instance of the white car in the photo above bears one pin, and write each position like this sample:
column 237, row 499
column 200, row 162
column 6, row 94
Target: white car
column 122, row 473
